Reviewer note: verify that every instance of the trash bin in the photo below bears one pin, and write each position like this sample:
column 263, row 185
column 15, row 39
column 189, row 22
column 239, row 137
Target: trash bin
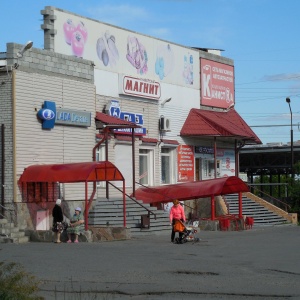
column 145, row 221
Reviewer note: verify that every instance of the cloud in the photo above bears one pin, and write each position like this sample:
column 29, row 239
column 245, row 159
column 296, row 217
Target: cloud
column 282, row 77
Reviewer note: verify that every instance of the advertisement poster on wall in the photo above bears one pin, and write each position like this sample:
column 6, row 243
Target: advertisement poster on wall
column 225, row 157
column 122, row 51
column 185, row 163
column 217, row 84
column 227, row 165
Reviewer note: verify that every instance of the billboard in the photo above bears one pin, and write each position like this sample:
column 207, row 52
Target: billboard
column 217, row 84
column 185, row 163
column 122, row 51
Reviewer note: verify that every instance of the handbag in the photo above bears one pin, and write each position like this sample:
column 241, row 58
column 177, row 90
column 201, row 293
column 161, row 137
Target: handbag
column 178, row 226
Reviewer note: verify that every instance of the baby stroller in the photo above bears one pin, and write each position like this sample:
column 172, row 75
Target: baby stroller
column 186, row 234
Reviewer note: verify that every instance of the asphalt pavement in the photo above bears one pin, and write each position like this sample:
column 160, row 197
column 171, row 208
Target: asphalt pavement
column 261, row 263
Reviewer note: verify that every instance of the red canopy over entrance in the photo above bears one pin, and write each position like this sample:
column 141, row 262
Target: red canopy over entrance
column 74, row 172
column 193, row 190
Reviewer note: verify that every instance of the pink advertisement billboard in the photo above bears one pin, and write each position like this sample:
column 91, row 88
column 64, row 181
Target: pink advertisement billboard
column 217, row 84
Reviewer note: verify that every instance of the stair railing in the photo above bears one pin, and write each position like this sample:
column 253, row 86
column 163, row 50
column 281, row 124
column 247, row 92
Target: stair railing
column 271, row 199
column 11, row 213
column 149, row 211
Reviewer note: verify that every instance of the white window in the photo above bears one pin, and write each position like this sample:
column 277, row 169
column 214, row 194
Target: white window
column 100, row 156
column 123, row 161
column 167, row 165
column 209, row 168
column 146, row 163
column 100, row 153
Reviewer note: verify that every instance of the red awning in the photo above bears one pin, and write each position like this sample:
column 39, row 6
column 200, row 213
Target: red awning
column 191, row 190
column 202, row 122
column 73, row 172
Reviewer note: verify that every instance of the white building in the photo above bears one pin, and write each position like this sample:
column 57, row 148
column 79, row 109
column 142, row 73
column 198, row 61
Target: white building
column 182, row 98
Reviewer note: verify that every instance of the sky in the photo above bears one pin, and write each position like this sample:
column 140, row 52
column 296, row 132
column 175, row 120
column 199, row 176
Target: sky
column 260, row 36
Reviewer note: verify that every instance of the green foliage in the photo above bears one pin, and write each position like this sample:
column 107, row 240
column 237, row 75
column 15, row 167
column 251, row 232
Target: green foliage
column 16, row 283
column 292, row 189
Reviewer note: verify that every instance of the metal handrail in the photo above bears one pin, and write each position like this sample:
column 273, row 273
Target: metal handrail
column 149, row 211
column 287, row 206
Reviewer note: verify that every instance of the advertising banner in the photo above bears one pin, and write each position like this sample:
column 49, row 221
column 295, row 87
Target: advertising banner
column 227, row 159
column 122, row 51
column 217, row 84
column 185, row 163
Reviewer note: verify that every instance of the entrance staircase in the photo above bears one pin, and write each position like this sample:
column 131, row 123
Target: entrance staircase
column 9, row 233
column 263, row 213
column 109, row 212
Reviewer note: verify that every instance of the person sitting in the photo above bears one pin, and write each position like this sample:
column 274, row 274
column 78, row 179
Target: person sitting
column 76, row 225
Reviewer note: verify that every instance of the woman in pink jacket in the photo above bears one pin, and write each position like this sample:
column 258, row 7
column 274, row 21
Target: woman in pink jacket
column 176, row 213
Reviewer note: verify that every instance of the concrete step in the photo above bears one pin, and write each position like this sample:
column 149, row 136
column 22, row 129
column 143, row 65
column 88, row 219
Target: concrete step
column 16, row 240
column 260, row 214
column 3, row 221
column 9, row 230
column 11, row 234
column 110, row 213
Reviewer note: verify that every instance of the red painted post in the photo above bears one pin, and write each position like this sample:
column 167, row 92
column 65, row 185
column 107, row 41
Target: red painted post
column 212, row 205
column 124, row 203
column 86, row 207
column 240, row 206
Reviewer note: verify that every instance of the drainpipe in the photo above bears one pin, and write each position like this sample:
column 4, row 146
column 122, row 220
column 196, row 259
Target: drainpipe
column 2, row 167
column 133, row 162
column 215, row 156
column 14, row 135
column 236, row 151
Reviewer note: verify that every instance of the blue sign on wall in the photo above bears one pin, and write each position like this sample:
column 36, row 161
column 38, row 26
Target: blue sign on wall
column 63, row 116
column 115, row 111
column 47, row 114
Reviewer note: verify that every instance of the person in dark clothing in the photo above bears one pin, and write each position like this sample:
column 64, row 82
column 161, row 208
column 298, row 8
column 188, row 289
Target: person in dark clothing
column 57, row 220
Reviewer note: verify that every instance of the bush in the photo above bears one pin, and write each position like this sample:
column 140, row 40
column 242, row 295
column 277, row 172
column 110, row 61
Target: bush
column 16, row 283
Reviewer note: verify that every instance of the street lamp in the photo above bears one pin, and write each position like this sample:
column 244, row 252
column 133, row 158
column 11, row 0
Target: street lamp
column 288, row 100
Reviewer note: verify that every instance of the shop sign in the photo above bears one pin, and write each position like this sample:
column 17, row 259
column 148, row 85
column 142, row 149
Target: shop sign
column 50, row 115
column 115, row 111
column 185, row 163
column 139, row 87
column 73, row 117
column 47, row 114
column 217, row 84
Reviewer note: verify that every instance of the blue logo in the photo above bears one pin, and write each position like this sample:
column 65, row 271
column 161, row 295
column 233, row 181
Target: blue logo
column 47, row 114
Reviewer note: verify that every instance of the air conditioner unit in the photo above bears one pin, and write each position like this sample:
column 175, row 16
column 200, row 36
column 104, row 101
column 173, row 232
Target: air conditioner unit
column 164, row 124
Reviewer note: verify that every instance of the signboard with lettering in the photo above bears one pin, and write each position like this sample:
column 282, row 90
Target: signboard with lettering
column 139, row 87
column 115, row 111
column 73, row 117
column 185, row 163
column 50, row 115
column 217, row 84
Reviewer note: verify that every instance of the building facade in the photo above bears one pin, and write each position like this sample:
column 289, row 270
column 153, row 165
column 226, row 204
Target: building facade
column 182, row 99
